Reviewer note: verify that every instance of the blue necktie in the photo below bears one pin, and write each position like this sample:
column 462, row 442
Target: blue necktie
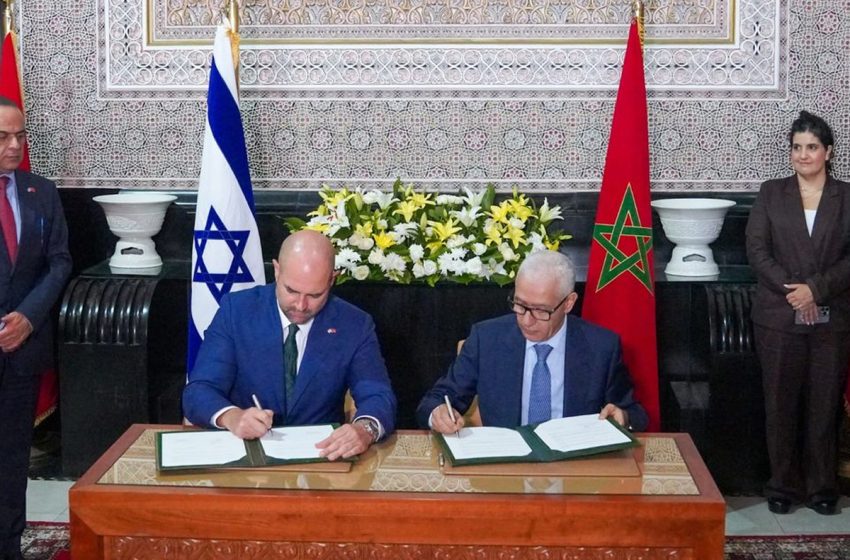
column 290, row 363
column 540, row 396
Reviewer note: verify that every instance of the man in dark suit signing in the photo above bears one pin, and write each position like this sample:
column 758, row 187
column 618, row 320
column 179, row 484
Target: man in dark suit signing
column 34, row 266
column 297, row 348
column 536, row 363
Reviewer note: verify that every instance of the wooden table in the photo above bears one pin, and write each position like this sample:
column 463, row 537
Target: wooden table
column 395, row 503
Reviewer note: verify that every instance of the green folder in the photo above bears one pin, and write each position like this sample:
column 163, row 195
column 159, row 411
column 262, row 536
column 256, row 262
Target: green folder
column 540, row 451
column 254, row 453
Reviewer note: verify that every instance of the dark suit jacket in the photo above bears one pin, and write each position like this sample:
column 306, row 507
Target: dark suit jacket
column 242, row 354
column 780, row 251
column 490, row 365
column 33, row 284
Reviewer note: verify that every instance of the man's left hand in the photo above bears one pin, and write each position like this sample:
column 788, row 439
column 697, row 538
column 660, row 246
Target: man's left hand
column 15, row 332
column 346, row 441
column 620, row 416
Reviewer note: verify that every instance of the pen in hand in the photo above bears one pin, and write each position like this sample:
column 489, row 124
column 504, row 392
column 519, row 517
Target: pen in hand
column 451, row 413
column 257, row 403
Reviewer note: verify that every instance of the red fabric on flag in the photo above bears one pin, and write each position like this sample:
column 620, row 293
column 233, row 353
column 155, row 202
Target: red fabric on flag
column 10, row 84
column 620, row 289
column 10, row 87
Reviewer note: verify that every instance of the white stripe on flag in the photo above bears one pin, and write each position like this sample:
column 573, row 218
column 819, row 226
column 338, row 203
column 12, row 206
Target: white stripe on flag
column 226, row 251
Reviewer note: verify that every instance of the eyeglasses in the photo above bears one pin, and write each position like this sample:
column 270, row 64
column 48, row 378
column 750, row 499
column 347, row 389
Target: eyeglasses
column 536, row 312
column 6, row 137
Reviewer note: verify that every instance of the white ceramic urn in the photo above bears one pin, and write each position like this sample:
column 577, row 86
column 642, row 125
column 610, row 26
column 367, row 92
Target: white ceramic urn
column 692, row 223
column 135, row 217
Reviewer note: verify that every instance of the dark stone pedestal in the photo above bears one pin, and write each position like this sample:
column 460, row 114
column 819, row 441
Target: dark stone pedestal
column 122, row 359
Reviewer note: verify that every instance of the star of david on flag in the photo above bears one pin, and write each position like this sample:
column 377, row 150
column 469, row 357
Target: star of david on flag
column 226, row 251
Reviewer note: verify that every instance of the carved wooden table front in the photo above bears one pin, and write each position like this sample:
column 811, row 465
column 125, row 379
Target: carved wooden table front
column 396, row 503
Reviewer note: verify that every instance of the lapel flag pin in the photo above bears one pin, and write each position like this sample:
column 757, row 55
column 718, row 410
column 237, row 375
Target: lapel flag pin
column 331, row 330
column 30, row 189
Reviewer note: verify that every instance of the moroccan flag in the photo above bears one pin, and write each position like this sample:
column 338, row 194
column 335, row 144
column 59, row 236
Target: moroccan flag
column 10, row 83
column 226, row 251
column 10, row 87
column 620, row 292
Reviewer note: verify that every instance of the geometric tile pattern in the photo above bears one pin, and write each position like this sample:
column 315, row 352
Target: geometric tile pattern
column 511, row 92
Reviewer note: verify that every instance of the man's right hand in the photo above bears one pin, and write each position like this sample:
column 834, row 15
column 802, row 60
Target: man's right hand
column 441, row 420
column 249, row 423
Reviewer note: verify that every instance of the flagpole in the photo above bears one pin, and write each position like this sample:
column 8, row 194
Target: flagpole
column 233, row 16
column 7, row 17
column 637, row 14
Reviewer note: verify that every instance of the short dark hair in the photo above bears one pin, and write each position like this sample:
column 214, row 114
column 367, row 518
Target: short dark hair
column 807, row 122
column 6, row 102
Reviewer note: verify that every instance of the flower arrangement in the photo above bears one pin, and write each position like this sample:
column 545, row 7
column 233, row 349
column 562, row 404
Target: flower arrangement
column 414, row 236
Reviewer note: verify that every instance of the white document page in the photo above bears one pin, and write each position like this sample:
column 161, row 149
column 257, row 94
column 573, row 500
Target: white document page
column 579, row 432
column 187, row 449
column 481, row 442
column 295, row 442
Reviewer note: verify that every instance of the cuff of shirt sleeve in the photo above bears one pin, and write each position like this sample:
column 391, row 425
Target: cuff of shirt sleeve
column 215, row 417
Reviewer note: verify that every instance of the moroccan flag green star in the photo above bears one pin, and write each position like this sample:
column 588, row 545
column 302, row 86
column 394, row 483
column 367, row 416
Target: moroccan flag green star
column 617, row 258
column 620, row 294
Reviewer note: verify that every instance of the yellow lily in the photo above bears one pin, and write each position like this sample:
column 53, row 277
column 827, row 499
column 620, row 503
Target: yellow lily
column 406, row 209
column 445, row 230
column 500, row 213
column 384, row 239
column 442, row 231
column 521, row 209
column 332, row 197
column 364, row 229
column 494, row 235
column 515, row 235
column 421, row 200
column 321, row 227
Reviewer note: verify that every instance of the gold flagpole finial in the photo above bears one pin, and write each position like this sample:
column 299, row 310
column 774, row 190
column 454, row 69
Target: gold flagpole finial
column 233, row 17
column 7, row 17
column 637, row 13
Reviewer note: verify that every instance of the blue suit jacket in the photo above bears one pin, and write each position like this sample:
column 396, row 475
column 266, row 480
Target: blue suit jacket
column 490, row 365
column 35, row 281
column 242, row 354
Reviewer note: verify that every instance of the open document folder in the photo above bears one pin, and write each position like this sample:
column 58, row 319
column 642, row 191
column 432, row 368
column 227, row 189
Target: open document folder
column 216, row 449
column 554, row 440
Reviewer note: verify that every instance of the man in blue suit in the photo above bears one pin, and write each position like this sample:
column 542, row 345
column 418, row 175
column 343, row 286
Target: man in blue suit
column 247, row 351
column 34, row 266
column 536, row 364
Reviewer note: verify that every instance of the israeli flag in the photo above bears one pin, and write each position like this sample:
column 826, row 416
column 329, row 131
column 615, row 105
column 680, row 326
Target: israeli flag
column 226, row 251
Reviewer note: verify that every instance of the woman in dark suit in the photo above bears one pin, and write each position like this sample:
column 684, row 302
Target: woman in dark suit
column 798, row 244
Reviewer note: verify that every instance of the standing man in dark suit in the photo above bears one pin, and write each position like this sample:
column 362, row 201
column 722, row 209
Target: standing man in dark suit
column 297, row 348
column 536, row 363
column 34, row 266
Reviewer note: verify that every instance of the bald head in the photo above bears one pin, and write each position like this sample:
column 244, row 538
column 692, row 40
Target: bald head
column 304, row 273
column 307, row 248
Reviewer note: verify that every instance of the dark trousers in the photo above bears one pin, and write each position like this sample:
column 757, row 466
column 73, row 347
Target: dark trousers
column 18, row 396
column 803, row 376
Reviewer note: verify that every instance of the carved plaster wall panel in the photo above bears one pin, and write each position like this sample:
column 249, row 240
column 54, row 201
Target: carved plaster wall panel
column 440, row 92
column 442, row 48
